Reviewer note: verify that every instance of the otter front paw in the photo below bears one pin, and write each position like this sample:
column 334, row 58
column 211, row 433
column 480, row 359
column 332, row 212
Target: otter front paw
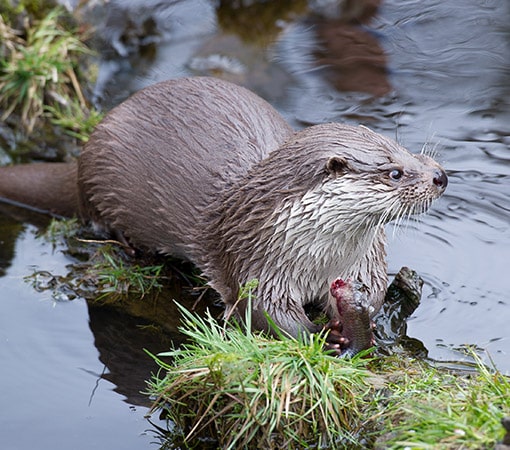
column 336, row 343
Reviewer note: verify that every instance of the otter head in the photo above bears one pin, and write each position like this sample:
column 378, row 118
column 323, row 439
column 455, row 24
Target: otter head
column 377, row 179
column 342, row 178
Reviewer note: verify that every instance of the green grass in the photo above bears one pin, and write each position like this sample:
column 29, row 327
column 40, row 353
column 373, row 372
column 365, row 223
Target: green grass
column 61, row 229
column 443, row 410
column 75, row 119
column 37, row 68
column 116, row 279
column 244, row 390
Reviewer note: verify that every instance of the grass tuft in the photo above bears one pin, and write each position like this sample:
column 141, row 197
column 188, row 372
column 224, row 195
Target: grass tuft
column 61, row 229
column 443, row 410
column 246, row 390
column 75, row 119
column 116, row 279
column 38, row 68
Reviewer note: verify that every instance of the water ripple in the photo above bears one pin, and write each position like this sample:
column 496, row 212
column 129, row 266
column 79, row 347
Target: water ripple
column 461, row 249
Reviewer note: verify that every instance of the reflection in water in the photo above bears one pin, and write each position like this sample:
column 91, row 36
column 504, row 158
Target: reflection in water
column 12, row 224
column 9, row 231
column 121, row 340
column 349, row 53
column 258, row 23
column 352, row 58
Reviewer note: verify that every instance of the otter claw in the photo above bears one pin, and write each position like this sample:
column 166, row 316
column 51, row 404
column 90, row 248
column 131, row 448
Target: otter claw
column 336, row 343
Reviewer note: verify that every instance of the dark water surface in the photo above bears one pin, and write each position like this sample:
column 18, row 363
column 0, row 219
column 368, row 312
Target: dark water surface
column 52, row 395
column 429, row 73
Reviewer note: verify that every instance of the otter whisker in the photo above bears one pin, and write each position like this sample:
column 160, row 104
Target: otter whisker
column 430, row 151
column 401, row 213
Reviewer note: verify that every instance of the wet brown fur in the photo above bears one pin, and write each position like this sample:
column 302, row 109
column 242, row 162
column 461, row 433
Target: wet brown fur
column 207, row 171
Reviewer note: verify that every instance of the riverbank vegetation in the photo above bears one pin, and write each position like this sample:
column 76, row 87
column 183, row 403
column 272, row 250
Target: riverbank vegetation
column 42, row 71
column 104, row 264
column 116, row 278
column 232, row 388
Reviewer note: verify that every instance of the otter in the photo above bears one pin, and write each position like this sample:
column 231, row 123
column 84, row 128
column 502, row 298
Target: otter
column 209, row 172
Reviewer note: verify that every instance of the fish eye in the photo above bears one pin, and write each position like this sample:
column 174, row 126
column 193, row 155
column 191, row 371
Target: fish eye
column 396, row 174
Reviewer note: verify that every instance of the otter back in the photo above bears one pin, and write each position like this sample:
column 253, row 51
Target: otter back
column 160, row 158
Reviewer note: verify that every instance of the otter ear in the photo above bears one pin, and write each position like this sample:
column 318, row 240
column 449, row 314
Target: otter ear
column 336, row 166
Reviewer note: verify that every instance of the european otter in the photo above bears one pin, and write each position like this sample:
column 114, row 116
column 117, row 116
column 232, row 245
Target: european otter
column 207, row 171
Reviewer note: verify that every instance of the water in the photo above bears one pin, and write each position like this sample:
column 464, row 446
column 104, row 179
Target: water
column 429, row 73
column 52, row 393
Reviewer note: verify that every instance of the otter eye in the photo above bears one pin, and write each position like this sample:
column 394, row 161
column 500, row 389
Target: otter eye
column 396, row 174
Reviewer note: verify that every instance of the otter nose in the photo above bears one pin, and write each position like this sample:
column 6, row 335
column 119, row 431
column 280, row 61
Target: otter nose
column 440, row 179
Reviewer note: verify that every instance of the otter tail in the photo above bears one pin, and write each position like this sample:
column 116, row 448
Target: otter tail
column 48, row 187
